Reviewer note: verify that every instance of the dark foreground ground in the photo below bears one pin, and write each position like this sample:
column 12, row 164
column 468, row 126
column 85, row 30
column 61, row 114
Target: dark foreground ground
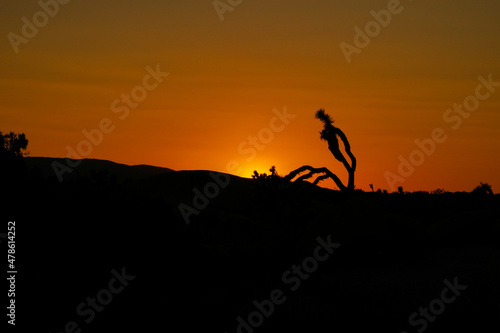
column 104, row 253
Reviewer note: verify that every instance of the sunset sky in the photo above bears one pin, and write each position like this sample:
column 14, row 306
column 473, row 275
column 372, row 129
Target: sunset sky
column 227, row 76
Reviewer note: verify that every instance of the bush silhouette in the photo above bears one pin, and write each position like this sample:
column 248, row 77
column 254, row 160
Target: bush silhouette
column 264, row 179
column 12, row 166
column 13, row 144
column 483, row 189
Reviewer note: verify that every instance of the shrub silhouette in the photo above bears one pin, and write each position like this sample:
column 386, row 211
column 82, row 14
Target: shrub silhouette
column 330, row 134
column 264, row 179
column 13, row 144
column 483, row 189
column 12, row 149
column 438, row 191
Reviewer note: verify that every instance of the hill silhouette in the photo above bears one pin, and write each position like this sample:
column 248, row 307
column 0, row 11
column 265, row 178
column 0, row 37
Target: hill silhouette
column 213, row 252
column 92, row 167
column 395, row 251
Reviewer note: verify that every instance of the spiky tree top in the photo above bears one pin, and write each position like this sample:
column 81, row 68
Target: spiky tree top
column 324, row 117
column 327, row 120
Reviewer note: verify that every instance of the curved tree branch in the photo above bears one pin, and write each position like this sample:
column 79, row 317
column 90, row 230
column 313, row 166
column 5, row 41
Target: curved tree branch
column 313, row 171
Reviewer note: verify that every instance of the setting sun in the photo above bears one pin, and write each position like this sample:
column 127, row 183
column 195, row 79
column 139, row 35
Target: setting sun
column 261, row 167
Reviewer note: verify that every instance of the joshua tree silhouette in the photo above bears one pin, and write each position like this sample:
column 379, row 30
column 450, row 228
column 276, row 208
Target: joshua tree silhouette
column 330, row 134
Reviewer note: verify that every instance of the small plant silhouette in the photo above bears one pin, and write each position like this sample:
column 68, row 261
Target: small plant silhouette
column 264, row 179
column 12, row 149
column 274, row 174
column 330, row 134
column 13, row 144
column 438, row 191
column 483, row 189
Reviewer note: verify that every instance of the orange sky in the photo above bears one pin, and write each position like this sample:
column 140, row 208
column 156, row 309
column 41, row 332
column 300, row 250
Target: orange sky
column 227, row 77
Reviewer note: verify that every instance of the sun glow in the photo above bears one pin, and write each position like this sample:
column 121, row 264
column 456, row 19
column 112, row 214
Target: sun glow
column 246, row 171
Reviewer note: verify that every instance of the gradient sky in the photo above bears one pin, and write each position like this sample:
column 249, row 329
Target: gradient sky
column 227, row 77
